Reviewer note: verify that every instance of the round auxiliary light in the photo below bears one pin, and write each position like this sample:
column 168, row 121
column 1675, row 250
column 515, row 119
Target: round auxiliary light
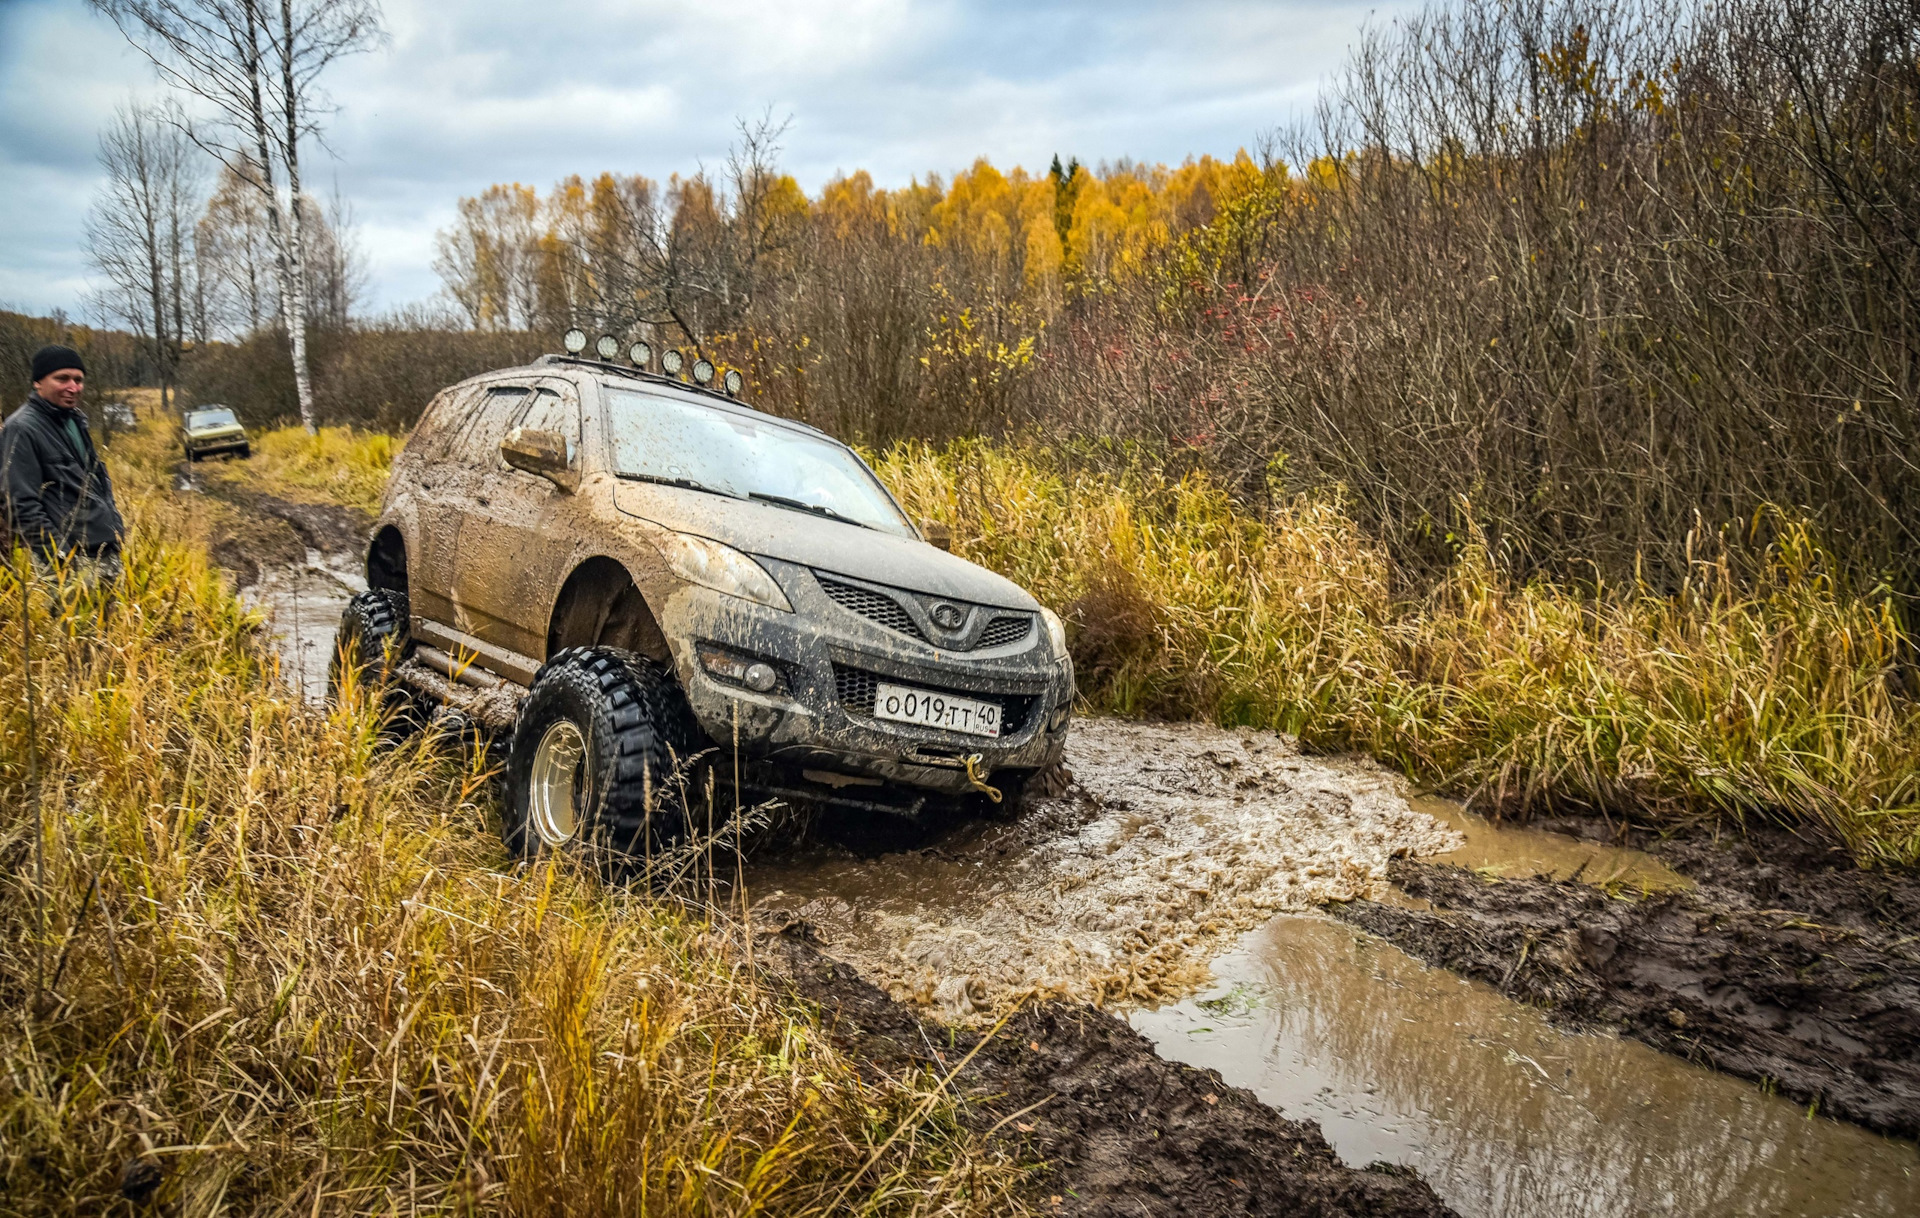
column 608, row 346
column 575, row 341
column 734, row 382
column 641, row 353
column 760, row 677
column 703, row 372
column 671, row 361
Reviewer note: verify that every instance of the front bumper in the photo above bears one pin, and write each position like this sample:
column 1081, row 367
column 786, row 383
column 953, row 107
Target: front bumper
column 231, row 442
column 820, row 719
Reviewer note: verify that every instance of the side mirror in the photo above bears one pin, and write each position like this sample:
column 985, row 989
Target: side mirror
column 540, row 452
column 937, row 534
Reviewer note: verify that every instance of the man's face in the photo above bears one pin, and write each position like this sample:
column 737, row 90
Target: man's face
column 62, row 388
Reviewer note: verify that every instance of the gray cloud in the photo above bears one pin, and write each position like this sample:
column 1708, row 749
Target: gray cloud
column 469, row 92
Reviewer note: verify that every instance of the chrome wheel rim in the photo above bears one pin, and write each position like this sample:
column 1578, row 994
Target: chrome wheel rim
column 553, row 787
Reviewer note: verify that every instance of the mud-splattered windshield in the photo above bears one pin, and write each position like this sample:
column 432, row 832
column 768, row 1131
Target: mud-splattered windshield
column 664, row 439
column 198, row 420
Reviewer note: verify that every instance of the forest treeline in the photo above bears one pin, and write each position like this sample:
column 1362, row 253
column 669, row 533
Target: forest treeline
column 1594, row 280
column 1592, row 277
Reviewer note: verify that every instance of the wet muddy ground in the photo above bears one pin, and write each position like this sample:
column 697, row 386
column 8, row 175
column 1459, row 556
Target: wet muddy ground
column 1119, row 1130
column 1177, row 884
column 1821, row 1012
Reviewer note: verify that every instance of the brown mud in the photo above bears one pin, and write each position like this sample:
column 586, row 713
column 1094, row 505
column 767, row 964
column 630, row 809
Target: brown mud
column 1805, row 981
column 1118, row 1130
column 1175, row 839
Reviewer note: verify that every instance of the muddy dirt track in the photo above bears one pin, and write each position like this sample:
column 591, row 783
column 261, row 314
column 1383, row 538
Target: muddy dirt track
column 1176, row 841
column 1786, row 965
column 1121, row 1131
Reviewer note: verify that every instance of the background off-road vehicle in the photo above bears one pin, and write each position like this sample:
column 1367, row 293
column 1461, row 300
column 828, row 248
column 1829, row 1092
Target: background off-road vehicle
column 627, row 570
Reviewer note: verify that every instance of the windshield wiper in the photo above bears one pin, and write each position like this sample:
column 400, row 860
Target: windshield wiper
column 801, row 505
column 684, row 483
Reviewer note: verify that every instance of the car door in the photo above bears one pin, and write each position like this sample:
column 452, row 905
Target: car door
column 513, row 542
column 442, row 473
column 449, row 485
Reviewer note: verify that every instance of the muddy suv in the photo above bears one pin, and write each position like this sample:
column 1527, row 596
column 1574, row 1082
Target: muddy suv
column 634, row 574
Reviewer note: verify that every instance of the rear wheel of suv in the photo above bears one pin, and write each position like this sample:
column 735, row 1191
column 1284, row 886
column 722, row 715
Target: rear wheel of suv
column 371, row 641
column 600, row 760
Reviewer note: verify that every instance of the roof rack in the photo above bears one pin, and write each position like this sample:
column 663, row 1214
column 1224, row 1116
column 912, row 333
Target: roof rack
column 655, row 378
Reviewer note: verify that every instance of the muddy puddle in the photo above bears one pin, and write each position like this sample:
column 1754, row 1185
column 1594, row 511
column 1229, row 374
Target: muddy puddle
column 302, row 605
column 1177, row 839
column 1178, row 883
column 1502, row 1113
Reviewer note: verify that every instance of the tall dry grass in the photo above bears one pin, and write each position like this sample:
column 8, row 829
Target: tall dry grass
column 1774, row 693
column 262, row 960
column 343, row 465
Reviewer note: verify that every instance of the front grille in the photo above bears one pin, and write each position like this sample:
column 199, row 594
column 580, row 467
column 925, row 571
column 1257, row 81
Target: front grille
column 873, row 606
column 856, row 687
column 1003, row 630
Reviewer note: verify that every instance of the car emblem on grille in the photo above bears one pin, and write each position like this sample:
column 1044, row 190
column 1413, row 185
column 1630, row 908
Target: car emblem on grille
column 947, row 617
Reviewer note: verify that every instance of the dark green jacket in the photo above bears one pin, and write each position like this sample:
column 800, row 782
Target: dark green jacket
column 56, row 498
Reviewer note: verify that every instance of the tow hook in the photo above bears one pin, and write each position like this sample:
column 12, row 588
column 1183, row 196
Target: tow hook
column 977, row 781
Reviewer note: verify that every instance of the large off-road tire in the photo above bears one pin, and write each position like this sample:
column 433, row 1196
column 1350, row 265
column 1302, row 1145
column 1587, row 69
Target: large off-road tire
column 372, row 640
column 600, row 760
column 246, row 450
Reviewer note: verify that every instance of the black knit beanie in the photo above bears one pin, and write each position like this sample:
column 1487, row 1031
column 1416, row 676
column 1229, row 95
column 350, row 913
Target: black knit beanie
column 49, row 360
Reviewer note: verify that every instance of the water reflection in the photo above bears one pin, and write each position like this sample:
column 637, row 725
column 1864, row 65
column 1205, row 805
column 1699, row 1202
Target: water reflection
column 1509, row 850
column 1502, row 1113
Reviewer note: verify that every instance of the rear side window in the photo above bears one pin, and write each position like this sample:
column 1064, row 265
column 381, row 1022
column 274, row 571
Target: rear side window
column 557, row 412
column 479, row 442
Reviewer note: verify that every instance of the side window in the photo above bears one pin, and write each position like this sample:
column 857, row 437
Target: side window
column 554, row 411
column 442, row 420
column 479, row 443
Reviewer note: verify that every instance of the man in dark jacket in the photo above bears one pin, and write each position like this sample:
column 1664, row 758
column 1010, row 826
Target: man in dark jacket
column 54, row 488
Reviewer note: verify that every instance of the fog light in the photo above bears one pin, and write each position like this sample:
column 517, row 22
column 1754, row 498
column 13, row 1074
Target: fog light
column 575, row 341
column 703, row 372
column 1061, row 714
column 671, row 361
column 757, row 675
column 608, row 346
column 641, row 353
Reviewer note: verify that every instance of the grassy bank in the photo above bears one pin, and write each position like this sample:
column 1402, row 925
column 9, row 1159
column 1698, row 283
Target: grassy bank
column 254, row 956
column 1773, row 694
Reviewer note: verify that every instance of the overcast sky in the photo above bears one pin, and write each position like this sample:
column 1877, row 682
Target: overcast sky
column 470, row 92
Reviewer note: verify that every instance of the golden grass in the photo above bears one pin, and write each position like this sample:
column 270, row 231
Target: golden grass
column 339, row 465
column 288, row 964
column 1776, row 695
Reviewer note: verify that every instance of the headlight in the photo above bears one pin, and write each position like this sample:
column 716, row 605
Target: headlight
column 1056, row 631
column 722, row 568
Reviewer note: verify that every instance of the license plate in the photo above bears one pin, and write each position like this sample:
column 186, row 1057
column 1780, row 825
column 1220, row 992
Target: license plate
column 904, row 704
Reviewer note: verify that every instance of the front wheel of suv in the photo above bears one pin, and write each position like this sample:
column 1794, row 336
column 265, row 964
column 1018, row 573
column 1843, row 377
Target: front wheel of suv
column 370, row 643
column 599, row 760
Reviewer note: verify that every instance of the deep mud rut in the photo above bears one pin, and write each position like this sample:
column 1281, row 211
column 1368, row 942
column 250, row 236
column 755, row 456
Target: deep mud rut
column 1813, row 999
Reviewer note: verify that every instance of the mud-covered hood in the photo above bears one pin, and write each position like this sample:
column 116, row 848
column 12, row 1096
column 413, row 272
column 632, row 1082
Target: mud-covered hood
column 825, row 545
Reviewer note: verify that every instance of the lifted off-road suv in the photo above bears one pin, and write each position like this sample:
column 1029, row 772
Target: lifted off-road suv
column 627, row 571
